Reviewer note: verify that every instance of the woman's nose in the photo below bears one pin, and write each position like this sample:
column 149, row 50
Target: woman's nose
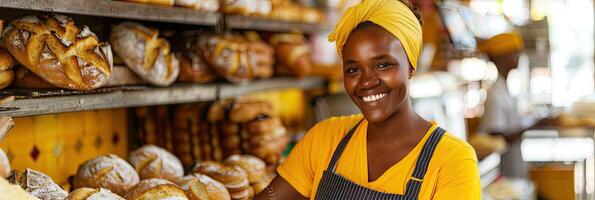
column 369, row 80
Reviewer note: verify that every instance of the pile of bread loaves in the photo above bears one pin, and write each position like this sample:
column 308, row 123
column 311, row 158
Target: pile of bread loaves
column 151, row 173
column 55, row 52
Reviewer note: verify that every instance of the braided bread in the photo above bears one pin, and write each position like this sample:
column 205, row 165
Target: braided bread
column 60, row 52
column 145, row 53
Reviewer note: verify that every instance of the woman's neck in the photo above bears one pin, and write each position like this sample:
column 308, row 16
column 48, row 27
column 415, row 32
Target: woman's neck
column 403, row 124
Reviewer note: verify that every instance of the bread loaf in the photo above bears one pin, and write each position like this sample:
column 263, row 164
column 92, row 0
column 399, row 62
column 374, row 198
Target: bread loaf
column 261, row 55
column 193, row 68
column 215, row 190
column 235, row 179
column 151, row 161
column 194, row 4
column 227, row 55
column 254, row 166
column 6, row 72
column 23, row 78
column 292, row 54
column 37, row 184
column 4, row 165
column 60, row 52
column 86, row 193
column 156, row 189
column 145, row 53
column 110, row 172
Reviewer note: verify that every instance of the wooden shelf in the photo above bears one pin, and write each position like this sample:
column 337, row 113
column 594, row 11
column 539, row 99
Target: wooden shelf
column 117, row 9
column 178, row 93
column 264, row 24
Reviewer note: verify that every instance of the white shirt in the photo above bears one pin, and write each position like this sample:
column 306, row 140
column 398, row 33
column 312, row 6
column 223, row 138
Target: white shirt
column 501, row 113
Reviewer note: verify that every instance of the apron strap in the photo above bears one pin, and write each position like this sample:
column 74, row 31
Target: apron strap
column 414, row 184
column 341, row 147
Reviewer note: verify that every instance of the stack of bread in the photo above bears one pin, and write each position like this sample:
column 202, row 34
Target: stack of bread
column 193, row 141
column 153, row 126
column 236, row 58
column 6, row 63
column 58, row 51
column 247, row 126
column 254, row 167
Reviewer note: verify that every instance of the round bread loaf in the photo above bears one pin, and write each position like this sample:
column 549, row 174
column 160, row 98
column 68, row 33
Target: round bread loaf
column 37, row 184
column 235, row 179
column 215, row 189
column 109, row 171
column 156, row 189
column 86, row 193
column 6, row 72
column 4, row 165
column 151, row 161
column 254, row 166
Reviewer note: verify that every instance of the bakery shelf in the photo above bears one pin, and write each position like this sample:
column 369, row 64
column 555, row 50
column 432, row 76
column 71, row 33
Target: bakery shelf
column 178, row 93
column 117, row 9
column 264, row 24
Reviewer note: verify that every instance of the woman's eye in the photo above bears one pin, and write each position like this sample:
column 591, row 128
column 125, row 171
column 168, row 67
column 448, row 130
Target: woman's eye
column 351, row 70
column 383, row 65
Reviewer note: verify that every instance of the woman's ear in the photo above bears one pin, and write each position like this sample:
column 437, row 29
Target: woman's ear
column 411, row 72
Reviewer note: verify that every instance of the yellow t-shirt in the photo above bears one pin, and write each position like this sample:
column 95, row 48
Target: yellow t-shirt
column 452, row 172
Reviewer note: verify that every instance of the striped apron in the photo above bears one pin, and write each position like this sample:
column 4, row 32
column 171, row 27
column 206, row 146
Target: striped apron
column 335, row 186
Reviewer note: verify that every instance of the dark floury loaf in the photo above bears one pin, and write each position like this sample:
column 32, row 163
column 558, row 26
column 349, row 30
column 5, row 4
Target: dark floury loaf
column 151, row 161
column 37, row 184
column 60, row 52
column 110, row 172
column 93, row 194
column 145, row 53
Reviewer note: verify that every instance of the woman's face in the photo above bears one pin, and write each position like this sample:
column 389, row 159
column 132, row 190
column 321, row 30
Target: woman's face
column 375, row 72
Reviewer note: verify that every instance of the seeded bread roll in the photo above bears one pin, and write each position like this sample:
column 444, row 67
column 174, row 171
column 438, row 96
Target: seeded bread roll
column 151, row 161
column 156, row 189
column 37, row 184
column 86, row 193
column 109, row 171
column 254, row 166
column 4, row 165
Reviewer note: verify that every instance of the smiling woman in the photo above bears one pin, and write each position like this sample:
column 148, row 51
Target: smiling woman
column 388, row 152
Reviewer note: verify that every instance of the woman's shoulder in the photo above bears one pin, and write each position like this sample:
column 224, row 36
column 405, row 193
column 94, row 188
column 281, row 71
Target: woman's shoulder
column 453, row 148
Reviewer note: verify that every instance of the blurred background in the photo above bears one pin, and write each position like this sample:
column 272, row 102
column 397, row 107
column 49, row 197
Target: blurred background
column 267, row 63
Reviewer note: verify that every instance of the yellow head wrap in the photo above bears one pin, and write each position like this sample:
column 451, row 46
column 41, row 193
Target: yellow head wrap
column 501, row 44
column 392, row 15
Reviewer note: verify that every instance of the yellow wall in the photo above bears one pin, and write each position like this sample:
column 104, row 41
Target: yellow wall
column 65, row 140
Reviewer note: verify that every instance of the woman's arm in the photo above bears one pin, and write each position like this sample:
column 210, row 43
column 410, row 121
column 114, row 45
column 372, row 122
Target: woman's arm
column 279, row 189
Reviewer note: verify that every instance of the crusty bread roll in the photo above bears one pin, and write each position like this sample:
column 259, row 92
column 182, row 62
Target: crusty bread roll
column 37, row 184
column 156, row 189
column 151, row 161
column 261, row 55
column 195, row 190
column 6, row 72
column 292, row 54
column 145, row 53
column 86, row 193
column 60, row 52
column 193, row 69
column 215, row 190
column 246, row 110
column 4, row 165
column 235, row 179
column 227, row 55
column 254, row 166
column 109, row 171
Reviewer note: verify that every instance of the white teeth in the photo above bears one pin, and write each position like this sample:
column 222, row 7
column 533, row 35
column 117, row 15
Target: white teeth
column 374, row 97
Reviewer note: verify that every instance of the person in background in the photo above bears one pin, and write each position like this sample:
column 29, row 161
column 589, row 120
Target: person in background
column 501, row 116
column 388, row 151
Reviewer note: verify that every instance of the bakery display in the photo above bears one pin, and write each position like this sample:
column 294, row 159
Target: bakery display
column 235, row 178
column 292, row 54
column 4, row 164
column 156, row 189
column 93, row 194
column 109, row 171
column 151, row 161
column 145, row 53
column 58, row 51
column 37, row 184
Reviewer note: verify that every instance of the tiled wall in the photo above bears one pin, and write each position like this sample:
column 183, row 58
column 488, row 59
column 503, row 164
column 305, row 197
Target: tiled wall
column 57, row 144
